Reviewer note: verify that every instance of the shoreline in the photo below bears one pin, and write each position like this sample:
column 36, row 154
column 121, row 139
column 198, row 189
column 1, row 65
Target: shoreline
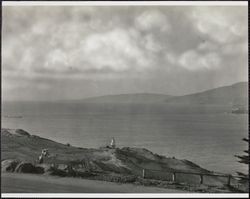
column 127, row 165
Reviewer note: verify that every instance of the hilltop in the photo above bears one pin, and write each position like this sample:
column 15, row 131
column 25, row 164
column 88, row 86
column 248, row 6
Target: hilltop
column 20, row 151
column 19, row 144
column 236, row 94
column 232, row 95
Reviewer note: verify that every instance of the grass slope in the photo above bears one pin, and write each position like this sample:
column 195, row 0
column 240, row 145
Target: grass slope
column 124, row 161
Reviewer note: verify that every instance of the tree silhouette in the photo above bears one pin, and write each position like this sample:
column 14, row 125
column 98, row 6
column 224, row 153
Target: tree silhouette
column 244, row 178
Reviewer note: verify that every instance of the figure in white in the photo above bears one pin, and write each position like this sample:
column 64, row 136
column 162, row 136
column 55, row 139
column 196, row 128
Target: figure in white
column 45, row 153
column 112, row 143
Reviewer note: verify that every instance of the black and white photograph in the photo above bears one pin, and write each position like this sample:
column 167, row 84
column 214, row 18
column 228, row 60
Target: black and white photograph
column 122, row 98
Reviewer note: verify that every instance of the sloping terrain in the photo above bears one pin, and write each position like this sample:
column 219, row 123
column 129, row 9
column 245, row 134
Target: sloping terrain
column 21, row 146
column 236, row 94
column 18, row 144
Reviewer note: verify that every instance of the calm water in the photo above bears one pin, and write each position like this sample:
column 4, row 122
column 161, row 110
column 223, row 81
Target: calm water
column 205, row 135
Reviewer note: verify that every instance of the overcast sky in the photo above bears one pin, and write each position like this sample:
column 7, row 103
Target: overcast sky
column 51, row 53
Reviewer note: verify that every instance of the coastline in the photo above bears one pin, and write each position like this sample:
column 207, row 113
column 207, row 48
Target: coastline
column 137, row 166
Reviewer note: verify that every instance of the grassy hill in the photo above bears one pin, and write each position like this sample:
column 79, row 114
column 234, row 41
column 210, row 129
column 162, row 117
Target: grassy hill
column 21, row 146
column 18, row 144
column 236, row 94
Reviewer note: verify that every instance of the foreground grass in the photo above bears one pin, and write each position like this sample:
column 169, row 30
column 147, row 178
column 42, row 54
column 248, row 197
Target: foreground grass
column 32, row 183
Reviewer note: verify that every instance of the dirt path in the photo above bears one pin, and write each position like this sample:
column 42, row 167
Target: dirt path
column 28, row 183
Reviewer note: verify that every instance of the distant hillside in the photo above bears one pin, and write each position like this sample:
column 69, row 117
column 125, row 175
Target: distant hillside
column 138, row 98
column 236, row 94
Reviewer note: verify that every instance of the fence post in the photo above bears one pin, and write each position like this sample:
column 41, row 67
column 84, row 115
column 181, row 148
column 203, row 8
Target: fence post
column 143, row 173
column 201, row 179
column 229, row 180
column 174, row 177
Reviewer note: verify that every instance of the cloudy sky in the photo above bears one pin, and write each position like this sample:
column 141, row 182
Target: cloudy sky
column 51, row 53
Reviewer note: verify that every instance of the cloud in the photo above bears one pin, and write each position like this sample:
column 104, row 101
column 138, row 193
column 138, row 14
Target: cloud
column 116, row 49
column 58, row 61
column 76, row 45
column 192, row 60
column 222, row 24
column 151, row 47
column 151, row 20
column 208, row 46
column 83, row 39
column 152, row 44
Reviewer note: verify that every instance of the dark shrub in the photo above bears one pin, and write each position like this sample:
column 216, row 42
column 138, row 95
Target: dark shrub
column 26, row 167
column 9, row 165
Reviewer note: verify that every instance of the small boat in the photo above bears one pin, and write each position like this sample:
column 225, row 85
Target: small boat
column 17, row 116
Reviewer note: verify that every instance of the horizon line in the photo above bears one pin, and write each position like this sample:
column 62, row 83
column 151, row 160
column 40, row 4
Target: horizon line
column 61, row 100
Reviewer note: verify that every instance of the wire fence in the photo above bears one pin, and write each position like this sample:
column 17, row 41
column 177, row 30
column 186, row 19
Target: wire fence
column 191, row 177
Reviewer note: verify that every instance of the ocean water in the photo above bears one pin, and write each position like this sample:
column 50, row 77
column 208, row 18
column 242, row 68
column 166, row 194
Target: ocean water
column 206, row 135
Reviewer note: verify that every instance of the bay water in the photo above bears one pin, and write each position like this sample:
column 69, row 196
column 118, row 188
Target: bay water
column 206, row 135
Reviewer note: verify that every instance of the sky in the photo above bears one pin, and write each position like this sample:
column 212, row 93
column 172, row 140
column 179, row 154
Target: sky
column 75, row 52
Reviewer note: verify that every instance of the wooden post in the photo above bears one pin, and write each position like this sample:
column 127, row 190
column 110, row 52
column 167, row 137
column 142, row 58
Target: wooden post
column 229, row 180
column 143, row 173
column 174, row 177
column 201, row 179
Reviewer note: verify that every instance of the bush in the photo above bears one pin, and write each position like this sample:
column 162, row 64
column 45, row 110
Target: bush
column 26, row 167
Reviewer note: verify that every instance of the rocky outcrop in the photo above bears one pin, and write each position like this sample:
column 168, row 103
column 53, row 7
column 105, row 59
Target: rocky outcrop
column 21, row 132
column 13, row 165
column 5, row 132
column 14, row 132
column 9, row 165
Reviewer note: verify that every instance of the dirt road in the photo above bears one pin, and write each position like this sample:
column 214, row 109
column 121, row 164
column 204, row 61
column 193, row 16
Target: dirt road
column 28, row 183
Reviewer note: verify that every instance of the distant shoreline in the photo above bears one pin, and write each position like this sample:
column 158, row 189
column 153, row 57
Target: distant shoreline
column 153, row 97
